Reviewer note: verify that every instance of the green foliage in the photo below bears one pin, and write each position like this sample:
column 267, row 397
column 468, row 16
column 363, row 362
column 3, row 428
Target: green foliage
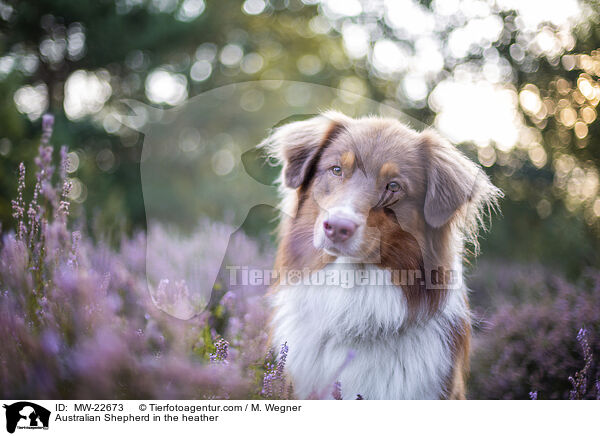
column 126, row 41
column 206, row 347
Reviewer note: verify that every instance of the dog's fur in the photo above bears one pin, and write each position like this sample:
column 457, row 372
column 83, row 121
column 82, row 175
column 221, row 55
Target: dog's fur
column 395, row 338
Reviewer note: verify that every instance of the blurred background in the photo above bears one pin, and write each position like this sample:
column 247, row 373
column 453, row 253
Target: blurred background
column 514, row 83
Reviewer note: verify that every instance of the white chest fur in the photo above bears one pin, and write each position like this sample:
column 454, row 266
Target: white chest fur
column 324, row 325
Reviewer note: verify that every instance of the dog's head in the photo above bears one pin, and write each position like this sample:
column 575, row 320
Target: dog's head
column 371, row 184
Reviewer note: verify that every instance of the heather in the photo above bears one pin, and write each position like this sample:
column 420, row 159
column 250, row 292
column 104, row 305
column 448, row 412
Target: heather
column 533, row 331
column 77, row 319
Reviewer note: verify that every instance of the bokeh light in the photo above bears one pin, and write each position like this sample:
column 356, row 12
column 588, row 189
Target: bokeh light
column 86, row 92
column 163, row 86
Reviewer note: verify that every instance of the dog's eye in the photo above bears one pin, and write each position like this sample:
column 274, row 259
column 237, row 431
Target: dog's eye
column 393, row 186
column 336, row 170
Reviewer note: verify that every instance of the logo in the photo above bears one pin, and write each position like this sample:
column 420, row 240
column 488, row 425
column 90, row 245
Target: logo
column 26, row 415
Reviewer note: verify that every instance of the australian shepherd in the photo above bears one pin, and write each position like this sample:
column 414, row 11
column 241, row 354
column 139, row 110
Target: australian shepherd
column 370, row 295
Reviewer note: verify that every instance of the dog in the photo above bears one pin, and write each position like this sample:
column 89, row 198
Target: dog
column 370, row 296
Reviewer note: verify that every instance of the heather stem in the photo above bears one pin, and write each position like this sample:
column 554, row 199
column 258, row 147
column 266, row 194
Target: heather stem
column 18, row 205
column 579, row 382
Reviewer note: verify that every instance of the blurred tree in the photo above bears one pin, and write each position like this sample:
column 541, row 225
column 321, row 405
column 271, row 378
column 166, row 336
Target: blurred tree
column 515, row 83
column 76, row 59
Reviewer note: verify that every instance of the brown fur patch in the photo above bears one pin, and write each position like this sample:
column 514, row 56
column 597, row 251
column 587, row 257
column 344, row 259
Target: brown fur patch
column 388, row 171
column 348, row 161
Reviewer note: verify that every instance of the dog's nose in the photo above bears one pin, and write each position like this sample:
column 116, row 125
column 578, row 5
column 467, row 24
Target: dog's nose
column 339, row 229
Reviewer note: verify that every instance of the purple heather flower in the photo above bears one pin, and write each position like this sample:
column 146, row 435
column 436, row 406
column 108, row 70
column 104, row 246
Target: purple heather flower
column 34, row 212
column 282, row 360
column 268, row 380
column 533, row 395
column 47, row 125
column 73, row 254
column 579, row 382
column 44, row 162
column 18, row 205
column 64, row 161
column 64, row 204
column 222, row 350
column 274, row 380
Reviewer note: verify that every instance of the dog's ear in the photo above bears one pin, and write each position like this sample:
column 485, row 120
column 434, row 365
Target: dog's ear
column 298, row 145
column 456, row 187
